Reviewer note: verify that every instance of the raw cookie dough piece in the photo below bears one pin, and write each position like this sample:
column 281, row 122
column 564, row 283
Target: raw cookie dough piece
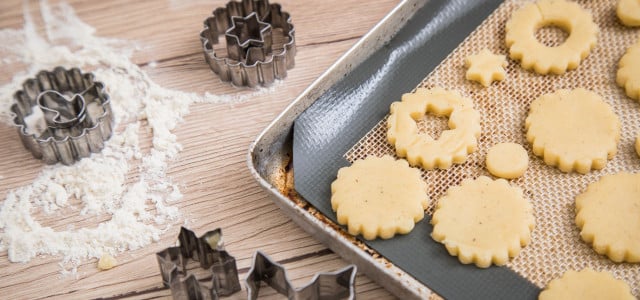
column 569, row 16
column 107, row 262
column 628, row 12
column 421, row 149
column 486, row 67
column 638, row 144
column 379, row 197
column 574, row 130
column 586, row 284
column 608, row 214
column 483, row 221
column 507, row 160
column 628, row 75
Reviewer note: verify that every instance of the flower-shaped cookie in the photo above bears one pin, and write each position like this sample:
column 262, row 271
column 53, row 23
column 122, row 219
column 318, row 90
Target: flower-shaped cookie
column 483, row 221
column 420, row 148
column 586, row 284
column 486, row 67
column 379, row 197
column 574, row 130
column 628, row 76
column 608, row 214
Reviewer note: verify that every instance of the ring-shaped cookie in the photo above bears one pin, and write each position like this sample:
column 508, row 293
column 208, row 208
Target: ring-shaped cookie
column 569, row 16
column 421, row 149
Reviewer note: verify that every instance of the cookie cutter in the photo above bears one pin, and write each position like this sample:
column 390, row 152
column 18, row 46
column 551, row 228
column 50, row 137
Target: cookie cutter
column 209, row 251
column 62, row 115
column 326, row 285
column 252, row 57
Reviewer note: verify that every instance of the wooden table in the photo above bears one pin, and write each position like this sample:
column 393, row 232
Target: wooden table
column 212, row 170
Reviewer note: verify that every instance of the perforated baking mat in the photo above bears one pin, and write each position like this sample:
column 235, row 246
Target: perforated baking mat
column 348, row 123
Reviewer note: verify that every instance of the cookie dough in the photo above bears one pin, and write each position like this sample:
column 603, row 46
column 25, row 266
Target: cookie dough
column 507, row 160
column 638, row 144
column 483, row 221
column 628, row 12
column 107, row 262
column 628, row 75
column 608, row 214
column 569, row 16
column 486, row 67
column 420, row 149
column 574, row 130
column 586, row 284
column 379, row 197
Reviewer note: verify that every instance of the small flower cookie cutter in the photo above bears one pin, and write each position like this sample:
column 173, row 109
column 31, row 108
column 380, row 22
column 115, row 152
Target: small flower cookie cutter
column 330, row 285
column 209, row 251
column 62, row 115
column 253, row 55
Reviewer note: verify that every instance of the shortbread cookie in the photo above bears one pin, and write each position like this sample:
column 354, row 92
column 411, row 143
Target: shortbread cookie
column 420, row 149
column 585, row 285
column 574, row 130
column 483, row 221
column 532, row 54
column 379, row 197
column 628, row 12
column 608, row 214
column 507, row 160
column 486, row 67
column 628, row 76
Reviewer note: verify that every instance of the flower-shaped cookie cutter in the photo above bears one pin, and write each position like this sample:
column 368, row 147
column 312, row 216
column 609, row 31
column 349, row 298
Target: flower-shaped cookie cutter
column 254, row 56
column 62, row 115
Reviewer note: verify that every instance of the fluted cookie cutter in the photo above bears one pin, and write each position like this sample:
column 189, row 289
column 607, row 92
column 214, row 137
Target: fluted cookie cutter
column 209, row 251
column 330, row 285
column 62, row 115
column 254, row 56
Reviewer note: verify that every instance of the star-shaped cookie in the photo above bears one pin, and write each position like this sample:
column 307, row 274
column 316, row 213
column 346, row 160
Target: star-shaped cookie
column 486, row 67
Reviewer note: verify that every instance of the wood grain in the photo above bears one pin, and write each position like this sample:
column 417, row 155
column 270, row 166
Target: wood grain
column 218, row 189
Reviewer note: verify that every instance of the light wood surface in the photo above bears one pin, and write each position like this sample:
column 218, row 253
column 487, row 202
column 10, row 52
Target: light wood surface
column 218, row 188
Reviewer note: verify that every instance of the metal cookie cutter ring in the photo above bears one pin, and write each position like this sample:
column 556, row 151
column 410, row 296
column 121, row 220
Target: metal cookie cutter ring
column 209, row 251
column 63, row 115
column 332, row 285
column 254, row 55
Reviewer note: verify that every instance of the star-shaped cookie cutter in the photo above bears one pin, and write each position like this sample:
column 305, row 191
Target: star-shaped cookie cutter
column 330, row 285
column 209, row 251
column 62, row 115
column 252, row 57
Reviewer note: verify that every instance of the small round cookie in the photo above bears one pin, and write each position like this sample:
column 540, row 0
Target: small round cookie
column 421, row 149
column 483, row 221
column 569, row 16
column 585, row 285
column 507, row 160
column 628, row 75
column 574, row 130
column 628, row 12
column 608, row 214
column 379, row 197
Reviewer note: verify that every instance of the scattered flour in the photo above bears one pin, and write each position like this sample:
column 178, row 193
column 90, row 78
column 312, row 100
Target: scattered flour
column 139, row 211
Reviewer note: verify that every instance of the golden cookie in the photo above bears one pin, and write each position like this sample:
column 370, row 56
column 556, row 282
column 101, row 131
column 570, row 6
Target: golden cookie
column 585, row 285
column 483, row 221
column 569, row 16
column 421, row 149
column 628, row 76
column 574, row 130
column 486, row 67
column 608, row 214
column 628, row 12
column 507, row 160
column 379, row 197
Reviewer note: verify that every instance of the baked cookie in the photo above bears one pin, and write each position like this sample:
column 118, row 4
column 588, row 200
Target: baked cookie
column 532, row 54
column 586, row 284
column 420, row 149
column 628, row 12
column 628, row 75
column 483, row 221
column 507, row 160
column 379, row 197
column 574, row 130
column 486, row 67
column 608, row 215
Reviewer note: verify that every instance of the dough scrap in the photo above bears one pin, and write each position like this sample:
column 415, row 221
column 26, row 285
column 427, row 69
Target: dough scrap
column 507, row 160
column 628, row 75
column 107, row 262
column 574, row 130
column 421, row 149
column 569, row 16
column 608, row 214
column 628, row 12
column 586, row 284
column 486, row 67
column 483, row 221
column 379, row 197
